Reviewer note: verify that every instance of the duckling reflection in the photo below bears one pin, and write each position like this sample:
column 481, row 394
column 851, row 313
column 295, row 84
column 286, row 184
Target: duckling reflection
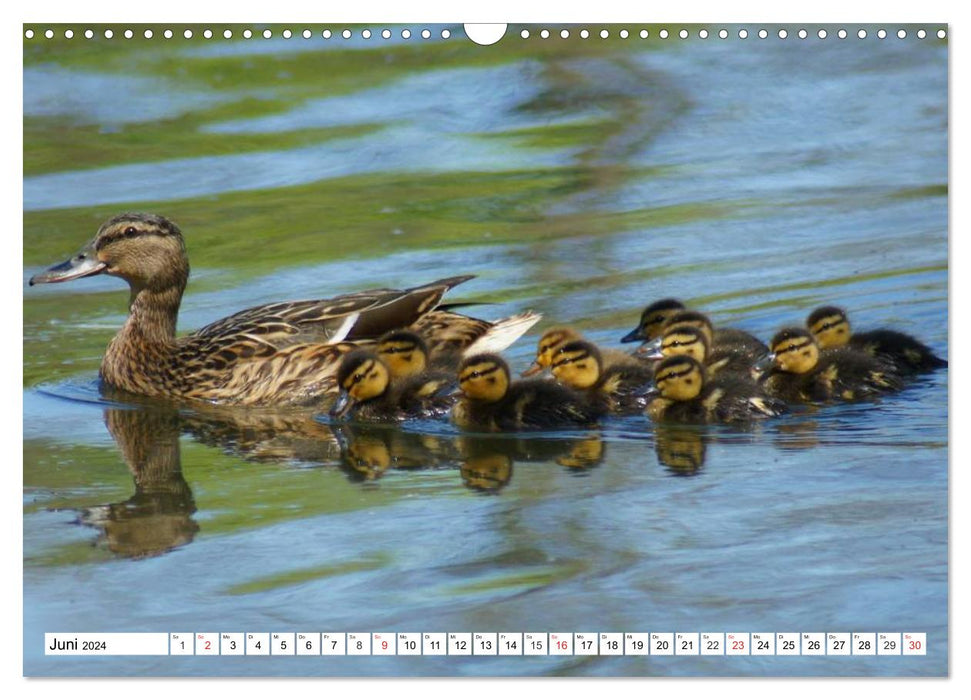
column 681, row 448
column 487, row 461
column 367, row 451
column 157, row 518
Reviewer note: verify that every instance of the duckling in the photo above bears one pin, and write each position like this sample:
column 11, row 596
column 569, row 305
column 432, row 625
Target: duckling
column 367, row 392
column 492, row 402
column 579, row 365
column 683, row 394
column 685, row 339
column 801, row 372
column 405, row 353
column 276, row 354
column 653, row 319
column 555, row 338
column 720, row 340
column 831, row 328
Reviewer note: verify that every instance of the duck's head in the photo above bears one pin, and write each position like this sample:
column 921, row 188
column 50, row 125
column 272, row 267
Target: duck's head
column 829, row 326
column 685, row 340
column 653, row 319
column 679, row 378
column 145, row 250
column 577, row 364
column 404, row 352
column 696, row 319
column 682, row 318
column 361, row 376
column 794, row 350
column 484, row 378
column 551, row 341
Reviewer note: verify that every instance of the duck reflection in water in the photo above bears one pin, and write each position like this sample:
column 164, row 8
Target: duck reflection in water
column 485, row 462
column 158, row 517
column 681, row 448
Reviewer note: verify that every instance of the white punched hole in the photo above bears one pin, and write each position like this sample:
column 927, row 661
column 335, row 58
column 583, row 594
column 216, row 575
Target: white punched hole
column 584, row 34
column 486, row 34
column 742, row 34
column 644, row 34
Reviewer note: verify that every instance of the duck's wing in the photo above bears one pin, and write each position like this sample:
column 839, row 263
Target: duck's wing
column 449, row 334
column 323, row 320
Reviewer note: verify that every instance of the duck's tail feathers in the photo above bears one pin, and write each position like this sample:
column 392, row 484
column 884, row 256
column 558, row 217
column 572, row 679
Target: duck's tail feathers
column 503, row 333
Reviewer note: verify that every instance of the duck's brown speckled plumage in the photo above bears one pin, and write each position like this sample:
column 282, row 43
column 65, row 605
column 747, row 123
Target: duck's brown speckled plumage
column 275, row 354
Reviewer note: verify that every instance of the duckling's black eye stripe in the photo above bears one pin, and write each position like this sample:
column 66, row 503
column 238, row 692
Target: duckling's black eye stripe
column 478, row 373
column 573, row 358
column 673, row 374
column 794, row 347
column 827, row 326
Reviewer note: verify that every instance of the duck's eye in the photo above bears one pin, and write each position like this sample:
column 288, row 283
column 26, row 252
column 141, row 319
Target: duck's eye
column 791, row 348
column 82, row 256
column 358, row 377
column 131, row 231
column 689, row 380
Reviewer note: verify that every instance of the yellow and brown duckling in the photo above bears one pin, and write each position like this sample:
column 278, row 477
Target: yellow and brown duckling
column 405, row 353
column 723, row 341
column 276, row 354
column 620, row 387
column 683, row 394
column 801, row 372
column 690, row 340
column 555, row 338
column 831, row 328
column 367, row 391
column 653, row 319
column 492, row 402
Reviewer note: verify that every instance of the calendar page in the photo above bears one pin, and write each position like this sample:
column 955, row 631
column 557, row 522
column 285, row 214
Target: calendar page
column 564, row 349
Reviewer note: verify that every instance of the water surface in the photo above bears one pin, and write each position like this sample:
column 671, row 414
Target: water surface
column 755, row 180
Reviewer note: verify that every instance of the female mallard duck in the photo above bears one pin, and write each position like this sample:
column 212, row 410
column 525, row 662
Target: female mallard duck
column 683, row 394
column 579, row 365
column 831, row 328
column 801, row 372
column 555, row 338
column 720, row 340
column 276, row 354
column 368, row 393
column 491, row 401
column 690, row 340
